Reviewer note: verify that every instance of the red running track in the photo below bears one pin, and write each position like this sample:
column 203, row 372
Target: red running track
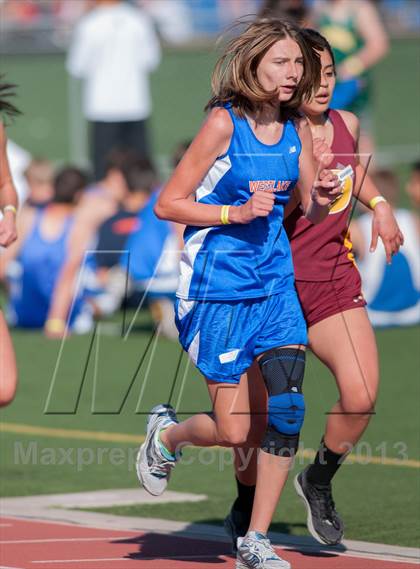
column 31, row 544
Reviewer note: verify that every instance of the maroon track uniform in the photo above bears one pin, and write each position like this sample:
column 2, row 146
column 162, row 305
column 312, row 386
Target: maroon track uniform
column 327, row 279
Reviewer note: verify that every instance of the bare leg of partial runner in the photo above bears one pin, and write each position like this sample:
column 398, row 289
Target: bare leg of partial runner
column 345, row 343
column 8, row 368
column 353, row 360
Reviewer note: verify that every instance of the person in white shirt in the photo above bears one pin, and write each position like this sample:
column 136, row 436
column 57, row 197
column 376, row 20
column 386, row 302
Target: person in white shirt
column 19, row 160
column 114, row 49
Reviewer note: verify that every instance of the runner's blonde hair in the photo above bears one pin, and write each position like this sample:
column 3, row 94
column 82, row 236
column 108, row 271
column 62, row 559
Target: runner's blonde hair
column 234, row 78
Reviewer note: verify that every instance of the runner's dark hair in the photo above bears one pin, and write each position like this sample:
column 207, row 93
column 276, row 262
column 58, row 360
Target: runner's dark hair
column 7, row 91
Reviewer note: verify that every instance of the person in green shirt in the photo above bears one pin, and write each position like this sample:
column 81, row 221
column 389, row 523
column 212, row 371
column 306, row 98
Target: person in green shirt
column 359, row 41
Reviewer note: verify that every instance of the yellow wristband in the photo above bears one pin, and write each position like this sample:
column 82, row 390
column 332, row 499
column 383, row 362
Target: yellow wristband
column 354, row 65
column 55, row 325
column 374, row 201
column 10, row 208
column 224, row 215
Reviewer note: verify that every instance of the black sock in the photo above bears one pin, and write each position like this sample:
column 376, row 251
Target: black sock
column 245, row 499
column 325, row 466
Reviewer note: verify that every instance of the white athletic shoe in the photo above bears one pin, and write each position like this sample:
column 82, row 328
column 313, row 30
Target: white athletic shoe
column 153, row 468
column 256, row 552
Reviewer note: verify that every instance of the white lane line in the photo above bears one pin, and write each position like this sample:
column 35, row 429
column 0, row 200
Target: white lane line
column 384, row 557
column 58, row 540
column 82, row 560
column 186, row 557
column 8, row 567
column 175, row 557
column 5, row 526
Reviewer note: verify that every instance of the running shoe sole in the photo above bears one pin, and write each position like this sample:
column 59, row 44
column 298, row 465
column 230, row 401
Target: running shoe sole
column 241, row 565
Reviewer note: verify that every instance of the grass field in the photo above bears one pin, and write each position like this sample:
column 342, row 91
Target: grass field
column 379, row 502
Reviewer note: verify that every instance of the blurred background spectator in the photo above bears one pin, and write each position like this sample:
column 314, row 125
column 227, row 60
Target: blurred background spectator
column 19, row 159
column 413, row 186
column 39, row 177
column 140, row 180
column 102, row 198
column 114, row 49
column 359, row 41
column 177, row 20
column 137, row 254
column 172, row 18
column 48, row 238
column 295, row 10
column 391, row 291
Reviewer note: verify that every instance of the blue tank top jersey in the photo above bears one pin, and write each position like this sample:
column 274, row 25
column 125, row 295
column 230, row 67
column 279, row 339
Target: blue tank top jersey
column 242, row 261
column 38, row 266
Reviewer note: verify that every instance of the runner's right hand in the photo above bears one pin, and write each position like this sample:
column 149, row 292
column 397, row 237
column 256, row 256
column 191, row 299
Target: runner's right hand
column 260, row 204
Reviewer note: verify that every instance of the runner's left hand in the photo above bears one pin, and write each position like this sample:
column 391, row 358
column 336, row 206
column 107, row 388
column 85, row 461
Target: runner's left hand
column 385, row 226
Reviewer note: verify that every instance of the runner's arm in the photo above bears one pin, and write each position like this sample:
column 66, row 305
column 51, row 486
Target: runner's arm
column 175, row 203
column 65, row 288
column 8, row 195
column 316, row 189
column 384, row 224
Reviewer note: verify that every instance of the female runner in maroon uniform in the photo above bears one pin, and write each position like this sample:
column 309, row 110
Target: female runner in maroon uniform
column 329, row 289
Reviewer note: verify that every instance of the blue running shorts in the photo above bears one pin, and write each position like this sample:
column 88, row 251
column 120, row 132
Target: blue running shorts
column 224, row 338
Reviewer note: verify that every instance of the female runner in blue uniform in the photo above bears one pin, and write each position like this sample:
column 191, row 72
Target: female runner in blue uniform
column 8, row 204
column 329, row 289
column 236, row 299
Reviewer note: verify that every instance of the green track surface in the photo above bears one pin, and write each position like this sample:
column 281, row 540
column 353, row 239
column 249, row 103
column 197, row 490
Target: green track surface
column 379, row 502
